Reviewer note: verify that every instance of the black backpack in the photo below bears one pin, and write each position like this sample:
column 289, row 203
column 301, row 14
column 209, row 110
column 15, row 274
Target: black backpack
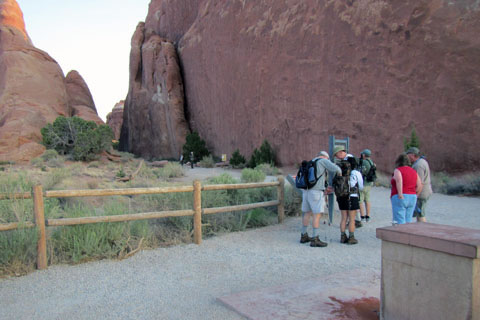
column 341, row 184
column 371, row 175
column 307, row 175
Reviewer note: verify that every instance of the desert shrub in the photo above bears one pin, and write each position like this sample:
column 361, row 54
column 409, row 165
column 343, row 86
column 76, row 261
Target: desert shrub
column 55, row 177
column 49, row 154
column 207, row 162
column 412, row 142
column 237, row 160
column 261, row 217
column 268, row 169
column 293, row 201
column 467, row 184
column 94, row 164
column 18, row 251
column 171, row 170
column 37, row 162
column 76, row 137
column 383, row 180
column 196, row 145
column 263, row 155
column 252, row 175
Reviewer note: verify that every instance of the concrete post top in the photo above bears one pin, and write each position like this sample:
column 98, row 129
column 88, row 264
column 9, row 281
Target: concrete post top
column 458, row 241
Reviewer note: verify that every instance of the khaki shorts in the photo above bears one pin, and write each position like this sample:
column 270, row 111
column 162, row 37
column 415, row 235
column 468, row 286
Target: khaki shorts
column 313, row 201
column 365, row 194
column 419, row 211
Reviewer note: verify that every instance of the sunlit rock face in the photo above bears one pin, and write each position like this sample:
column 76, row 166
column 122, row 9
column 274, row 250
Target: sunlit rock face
column 115, row 119
column 80, row 99
column 154, row 124
column 33, row 89
column 294, row 72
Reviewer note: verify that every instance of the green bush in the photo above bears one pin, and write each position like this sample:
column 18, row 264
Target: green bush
column 467, row 184
column 196, row 145
column 237, row 160
column 207, row 162
column 412, row 142
column 171, row 170
column 252, row 175
column 268, row 169
column 78, row 138
column 263, row 155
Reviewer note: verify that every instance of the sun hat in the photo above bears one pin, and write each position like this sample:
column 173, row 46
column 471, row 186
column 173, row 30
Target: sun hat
column 337, row 149
column 367, row 152
column 413, row 150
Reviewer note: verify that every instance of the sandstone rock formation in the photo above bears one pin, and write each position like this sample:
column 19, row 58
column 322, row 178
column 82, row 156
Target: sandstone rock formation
column 154, row 124
column 32, row 89
column 80, row 99
column 115, row 119
column 295, row 72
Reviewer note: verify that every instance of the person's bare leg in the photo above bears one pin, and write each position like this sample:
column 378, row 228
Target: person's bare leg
column 351, row 225
column 421, row 219
column 368, row 205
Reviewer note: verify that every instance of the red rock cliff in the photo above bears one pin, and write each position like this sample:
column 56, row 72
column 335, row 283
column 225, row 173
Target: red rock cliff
column 33, row 89
column 296, row 71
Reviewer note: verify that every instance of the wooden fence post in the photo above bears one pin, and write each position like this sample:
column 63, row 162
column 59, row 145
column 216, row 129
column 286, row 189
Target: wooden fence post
column 40, row 223
column 281, row 199
column 197, row 208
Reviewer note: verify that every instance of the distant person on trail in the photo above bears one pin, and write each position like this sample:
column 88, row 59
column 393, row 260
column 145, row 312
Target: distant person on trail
column 421, row 166
column 340, row 153
column 366, row 165
column 349, row 204
column 406, row 185
column 313, row 200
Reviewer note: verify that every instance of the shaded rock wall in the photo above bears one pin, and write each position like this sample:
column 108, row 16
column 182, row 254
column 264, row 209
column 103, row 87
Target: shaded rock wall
column 33, row 90
column 154, row 123
column 115, row 119
column 296, row 71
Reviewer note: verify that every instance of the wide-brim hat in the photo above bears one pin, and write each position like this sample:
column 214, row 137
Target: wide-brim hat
column 337, row 149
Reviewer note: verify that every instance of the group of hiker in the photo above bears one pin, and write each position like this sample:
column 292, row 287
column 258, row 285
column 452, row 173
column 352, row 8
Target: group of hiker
column 352, row 181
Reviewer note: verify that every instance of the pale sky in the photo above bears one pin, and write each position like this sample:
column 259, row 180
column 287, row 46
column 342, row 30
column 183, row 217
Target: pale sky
column 90, row 36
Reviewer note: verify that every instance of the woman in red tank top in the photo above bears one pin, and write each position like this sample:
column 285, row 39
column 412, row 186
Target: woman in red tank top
column 406, row 186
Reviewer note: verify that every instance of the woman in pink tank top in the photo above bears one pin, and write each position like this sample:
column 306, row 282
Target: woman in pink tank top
column 406, row 186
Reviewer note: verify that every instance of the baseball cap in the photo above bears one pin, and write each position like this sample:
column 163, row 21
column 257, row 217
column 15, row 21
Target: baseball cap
column 367, row 152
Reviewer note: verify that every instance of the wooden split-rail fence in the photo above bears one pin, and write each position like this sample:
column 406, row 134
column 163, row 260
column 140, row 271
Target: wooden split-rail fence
column 197, row 211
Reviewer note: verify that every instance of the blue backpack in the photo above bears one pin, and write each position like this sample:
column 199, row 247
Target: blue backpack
column 307, row 175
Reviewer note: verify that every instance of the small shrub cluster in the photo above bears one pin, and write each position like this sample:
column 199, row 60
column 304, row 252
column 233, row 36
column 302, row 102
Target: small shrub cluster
column 196, row 145
column 82, row 140
column 207, row 162
column 412, row 142
column 263, row 155
column 468, row 184
column 237, row 160
column 252, row 175
column 268, row 169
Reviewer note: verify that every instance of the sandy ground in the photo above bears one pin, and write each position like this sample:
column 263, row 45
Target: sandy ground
column 186, row 281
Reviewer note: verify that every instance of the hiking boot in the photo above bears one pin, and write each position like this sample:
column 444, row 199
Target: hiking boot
column 363, row 218
column 305, row 238
column 343, row 238
column 358, row 224
column 367, row 218
column 352, row 240
column 316, row 242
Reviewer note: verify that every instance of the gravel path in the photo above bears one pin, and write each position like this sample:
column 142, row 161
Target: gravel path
column 184, row 282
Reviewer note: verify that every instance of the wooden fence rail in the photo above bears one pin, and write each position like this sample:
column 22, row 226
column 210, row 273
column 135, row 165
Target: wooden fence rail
column 41, row 223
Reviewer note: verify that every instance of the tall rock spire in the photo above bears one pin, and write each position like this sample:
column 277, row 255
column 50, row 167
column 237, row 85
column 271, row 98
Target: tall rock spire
column 12, row 16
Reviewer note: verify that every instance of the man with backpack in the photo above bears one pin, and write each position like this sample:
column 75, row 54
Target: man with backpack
column 369, row 175
column 312, row 198
column 423, row 170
